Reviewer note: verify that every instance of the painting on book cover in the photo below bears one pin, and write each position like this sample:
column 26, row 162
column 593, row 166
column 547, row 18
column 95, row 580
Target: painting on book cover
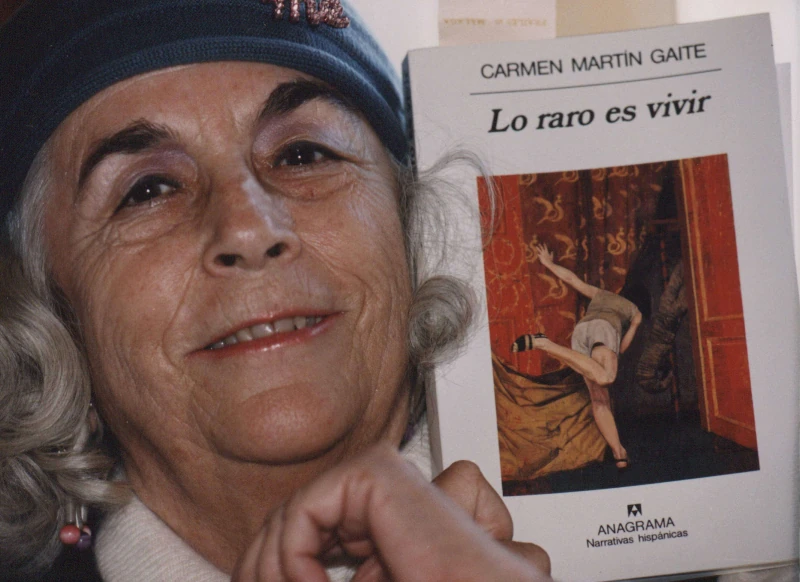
column 617, row 329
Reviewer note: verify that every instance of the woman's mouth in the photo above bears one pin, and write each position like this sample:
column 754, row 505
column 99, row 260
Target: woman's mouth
column 266, row 329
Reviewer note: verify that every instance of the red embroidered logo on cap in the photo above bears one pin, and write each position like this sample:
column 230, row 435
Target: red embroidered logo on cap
column 328, row 12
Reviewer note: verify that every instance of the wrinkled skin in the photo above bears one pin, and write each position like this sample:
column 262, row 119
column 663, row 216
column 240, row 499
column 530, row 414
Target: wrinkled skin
column 189, row 206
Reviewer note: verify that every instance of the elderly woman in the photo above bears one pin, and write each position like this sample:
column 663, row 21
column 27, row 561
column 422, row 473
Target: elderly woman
column 211, row 240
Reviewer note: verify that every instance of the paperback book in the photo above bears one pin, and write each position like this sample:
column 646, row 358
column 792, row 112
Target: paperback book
column 631, row 387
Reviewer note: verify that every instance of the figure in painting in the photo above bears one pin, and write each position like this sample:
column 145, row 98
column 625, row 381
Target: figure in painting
column 605, row 331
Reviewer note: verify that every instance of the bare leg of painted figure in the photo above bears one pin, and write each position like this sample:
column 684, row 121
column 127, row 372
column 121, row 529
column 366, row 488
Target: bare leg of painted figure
column 598, row 371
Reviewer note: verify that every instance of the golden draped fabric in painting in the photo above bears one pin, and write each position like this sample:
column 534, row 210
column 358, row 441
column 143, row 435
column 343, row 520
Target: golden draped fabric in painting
column 544, row 424
column 594, row 221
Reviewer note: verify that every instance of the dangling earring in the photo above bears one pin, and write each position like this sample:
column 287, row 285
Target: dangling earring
column 75, row 532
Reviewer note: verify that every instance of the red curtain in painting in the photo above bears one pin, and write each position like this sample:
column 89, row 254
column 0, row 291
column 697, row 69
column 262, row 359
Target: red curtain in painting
column 594, row 222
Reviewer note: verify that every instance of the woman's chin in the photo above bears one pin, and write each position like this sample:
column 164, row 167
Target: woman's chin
column 284, row 426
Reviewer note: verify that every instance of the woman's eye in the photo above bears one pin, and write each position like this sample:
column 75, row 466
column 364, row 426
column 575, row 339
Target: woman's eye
column 147, row 190
column 302, row 154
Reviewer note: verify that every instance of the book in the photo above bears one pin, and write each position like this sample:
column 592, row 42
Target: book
column 649, row 163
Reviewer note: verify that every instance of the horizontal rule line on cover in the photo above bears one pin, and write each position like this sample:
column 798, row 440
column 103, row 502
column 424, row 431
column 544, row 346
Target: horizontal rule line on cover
column 596, row 84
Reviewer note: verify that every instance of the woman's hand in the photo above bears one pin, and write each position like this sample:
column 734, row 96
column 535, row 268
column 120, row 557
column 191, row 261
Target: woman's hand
column 380, row 509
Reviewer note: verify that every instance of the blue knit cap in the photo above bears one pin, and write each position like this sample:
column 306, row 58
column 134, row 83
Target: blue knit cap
column 56, row 54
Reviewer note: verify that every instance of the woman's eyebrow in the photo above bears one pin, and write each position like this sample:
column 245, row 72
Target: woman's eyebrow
column 141, row 135
column 134, row 138
column 287, row 97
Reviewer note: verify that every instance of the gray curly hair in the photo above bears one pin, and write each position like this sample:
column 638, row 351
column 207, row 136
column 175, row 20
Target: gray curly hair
column 51, row 452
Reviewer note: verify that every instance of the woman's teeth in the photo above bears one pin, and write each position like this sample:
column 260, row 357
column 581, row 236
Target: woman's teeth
column 261, row 330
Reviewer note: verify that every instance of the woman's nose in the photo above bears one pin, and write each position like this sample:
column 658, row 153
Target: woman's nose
column 251, row 228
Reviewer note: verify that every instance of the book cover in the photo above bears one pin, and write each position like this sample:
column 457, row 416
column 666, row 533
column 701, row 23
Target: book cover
column 631, row 387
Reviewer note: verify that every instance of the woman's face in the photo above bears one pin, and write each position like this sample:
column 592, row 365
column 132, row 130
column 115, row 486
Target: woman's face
column 228, row 236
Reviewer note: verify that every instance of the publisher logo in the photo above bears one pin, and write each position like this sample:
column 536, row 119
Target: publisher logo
column 636, row 530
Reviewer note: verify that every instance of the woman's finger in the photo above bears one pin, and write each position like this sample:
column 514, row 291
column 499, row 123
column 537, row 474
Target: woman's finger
column 358, row 502
column 262, row 561
column 371, row 571
column 246, row 568
column 270, row 566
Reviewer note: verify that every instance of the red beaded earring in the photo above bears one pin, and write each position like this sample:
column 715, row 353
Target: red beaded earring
column 75, row 532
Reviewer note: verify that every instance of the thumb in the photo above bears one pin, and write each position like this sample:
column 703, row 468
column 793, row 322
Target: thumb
column 531, row 553
column 464, row 483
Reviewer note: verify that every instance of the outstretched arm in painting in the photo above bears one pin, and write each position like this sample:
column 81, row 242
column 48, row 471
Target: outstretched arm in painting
column 546, row 258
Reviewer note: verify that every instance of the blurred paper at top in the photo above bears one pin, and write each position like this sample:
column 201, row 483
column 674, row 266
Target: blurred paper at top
column 474, row 21
column 578, row 17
